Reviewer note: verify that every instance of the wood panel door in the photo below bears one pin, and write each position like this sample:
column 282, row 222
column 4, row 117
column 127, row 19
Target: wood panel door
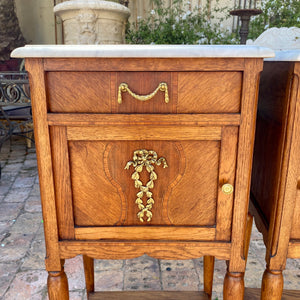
column 144, row 176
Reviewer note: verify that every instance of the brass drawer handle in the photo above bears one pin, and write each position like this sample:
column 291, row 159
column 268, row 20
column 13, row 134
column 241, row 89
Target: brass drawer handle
column 145, row 158
column 123, row 88
column 227, row 189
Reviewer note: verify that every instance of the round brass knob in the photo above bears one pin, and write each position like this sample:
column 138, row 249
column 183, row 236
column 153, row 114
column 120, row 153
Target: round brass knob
column 227, row 188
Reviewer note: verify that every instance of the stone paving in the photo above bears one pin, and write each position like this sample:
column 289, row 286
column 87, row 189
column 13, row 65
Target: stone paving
column 22, row 250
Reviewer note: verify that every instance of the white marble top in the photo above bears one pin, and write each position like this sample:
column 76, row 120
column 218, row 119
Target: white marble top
column 285, row 41
column 142, row 51
column 286, row 55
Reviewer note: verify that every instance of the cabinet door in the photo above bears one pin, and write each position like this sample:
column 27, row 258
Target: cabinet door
column 145, row 176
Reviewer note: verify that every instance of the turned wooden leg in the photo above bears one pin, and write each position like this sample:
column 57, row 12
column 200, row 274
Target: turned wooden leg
column 58, row 285
column 208, row 274
column 88, row 264
column 272, row 285
column 233, row 288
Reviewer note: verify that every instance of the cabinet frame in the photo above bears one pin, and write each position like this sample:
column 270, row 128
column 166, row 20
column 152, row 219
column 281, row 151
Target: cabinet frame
column 232, row 251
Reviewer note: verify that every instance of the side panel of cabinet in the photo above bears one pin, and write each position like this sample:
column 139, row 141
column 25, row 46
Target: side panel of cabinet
column 295, row 150
column 295, row 234
column 270, row 136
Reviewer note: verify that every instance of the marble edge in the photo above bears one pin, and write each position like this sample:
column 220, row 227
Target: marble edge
column 285, row 55
column 61, row 51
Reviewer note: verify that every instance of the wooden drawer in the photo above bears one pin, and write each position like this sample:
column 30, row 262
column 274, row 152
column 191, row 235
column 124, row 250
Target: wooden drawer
column 180, row 187
column 188, row 92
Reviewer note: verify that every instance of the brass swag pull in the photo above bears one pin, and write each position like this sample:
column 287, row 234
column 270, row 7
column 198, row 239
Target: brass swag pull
column 123, row 88
column 144, row 158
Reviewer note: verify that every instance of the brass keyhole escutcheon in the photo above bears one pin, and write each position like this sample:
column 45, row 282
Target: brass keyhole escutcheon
column 227, row 188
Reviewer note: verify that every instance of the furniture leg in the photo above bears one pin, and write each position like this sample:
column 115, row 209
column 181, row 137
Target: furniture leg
column 272, row 285
column 208, row 274
column 234, row 282
column 248, row 235
column 58, row 285
column 88, row 264
column 233, row 286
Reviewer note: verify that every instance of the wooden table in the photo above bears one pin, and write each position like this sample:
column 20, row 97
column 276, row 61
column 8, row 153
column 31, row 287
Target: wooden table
column 144, row 150
column 275, row 188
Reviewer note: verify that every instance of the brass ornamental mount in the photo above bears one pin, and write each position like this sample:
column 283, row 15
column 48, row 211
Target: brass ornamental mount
column 145, row 158
column 123, row 88
column 227, row 189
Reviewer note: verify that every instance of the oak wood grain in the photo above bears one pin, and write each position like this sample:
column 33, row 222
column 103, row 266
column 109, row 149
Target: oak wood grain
column 174, row 79
column 233, row 286
column 43, row 152
column 144, row 132
column 294, row 249
column 254, row 294
column 88, row 264
column 149, row 295
column 144, row 83
column 83, row 92
column 271, row 129
column 248, row 235
column 295, row 232
column 131, row 249
column 196, row 92
column 144, row 233
column 276, row 170
column 272, row 285
column 208, row 274
column 63, row 189
column 57, row 284
column 259, row 218
column 92, row 204
column 96, row 163
column 144, row 64
column 244, row 163
column 95, row 138
column 209, row 92
column 291, row 181
column 197, row 204
column 66, row 119
column 227, row 169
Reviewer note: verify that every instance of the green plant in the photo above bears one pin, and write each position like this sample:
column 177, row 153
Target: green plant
column 276, row 13
column 176, row 24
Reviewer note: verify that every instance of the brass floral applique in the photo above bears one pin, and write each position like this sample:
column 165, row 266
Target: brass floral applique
column 145, row 158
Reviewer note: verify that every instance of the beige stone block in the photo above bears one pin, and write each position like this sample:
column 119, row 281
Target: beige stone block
column 93, row 21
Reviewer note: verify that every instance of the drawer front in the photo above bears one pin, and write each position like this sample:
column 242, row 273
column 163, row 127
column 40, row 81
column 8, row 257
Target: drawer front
column 176, row 180
column 182, row 92
column 209, row 92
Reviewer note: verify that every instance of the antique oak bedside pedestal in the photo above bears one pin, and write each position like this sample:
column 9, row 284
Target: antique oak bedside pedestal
column 275, row 188
column 144, row 150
